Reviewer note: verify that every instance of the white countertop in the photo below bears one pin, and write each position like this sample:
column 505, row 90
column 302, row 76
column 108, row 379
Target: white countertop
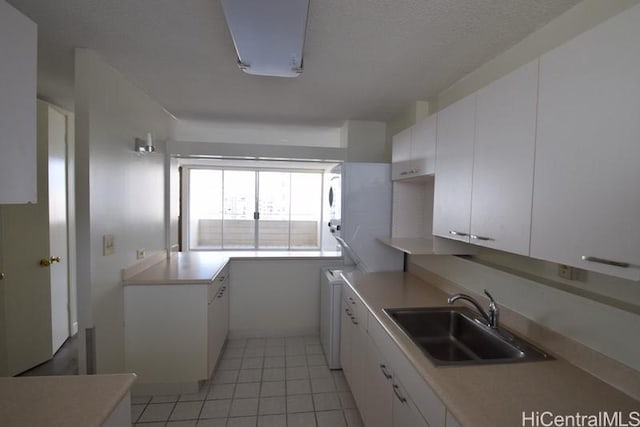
column 200, row 267
column 74, row 400
column 486, row 395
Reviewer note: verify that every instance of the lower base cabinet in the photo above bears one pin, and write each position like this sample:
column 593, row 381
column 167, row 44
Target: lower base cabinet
column 405, row 413
column 387, row 389
column 217, row 322
column 174, row 333
column 387, row 402
column 378, row 410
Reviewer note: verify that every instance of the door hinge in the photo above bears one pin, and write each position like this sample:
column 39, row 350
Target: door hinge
column 256, row 215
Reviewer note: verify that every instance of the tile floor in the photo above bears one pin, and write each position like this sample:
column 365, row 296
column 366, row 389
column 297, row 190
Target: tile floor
column 261, row 382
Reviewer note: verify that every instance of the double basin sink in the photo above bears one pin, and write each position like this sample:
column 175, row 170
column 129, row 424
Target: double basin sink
column 455, row 336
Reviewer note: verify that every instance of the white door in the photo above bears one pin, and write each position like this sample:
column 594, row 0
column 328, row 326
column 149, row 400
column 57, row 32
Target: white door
column 33, row 291
column 58, row 269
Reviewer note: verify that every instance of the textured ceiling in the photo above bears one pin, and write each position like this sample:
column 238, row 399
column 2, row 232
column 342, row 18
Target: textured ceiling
column 364, row 59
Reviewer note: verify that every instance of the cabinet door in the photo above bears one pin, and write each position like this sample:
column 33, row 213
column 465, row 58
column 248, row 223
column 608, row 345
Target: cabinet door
column 401, row 154
column 405, row 413
column 345, row 340
column 454, row 169
column 18, row 47
column 377, row 412
column 359, row 349
column 219, row 323
column 423, row 147
column 503, row 161
column 586, row 201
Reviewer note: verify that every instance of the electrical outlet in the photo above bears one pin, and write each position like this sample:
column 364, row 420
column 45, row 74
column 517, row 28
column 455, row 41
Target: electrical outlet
column 140, row 254
column 566, row 272
column 108, row 246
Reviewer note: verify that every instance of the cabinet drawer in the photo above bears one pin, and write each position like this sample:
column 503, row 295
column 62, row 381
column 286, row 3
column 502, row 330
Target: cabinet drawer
column 217, row 283
column 350, row 297
column 425, row 399
column 355, row 305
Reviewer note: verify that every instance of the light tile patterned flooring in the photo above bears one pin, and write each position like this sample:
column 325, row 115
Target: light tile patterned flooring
column 261, row 382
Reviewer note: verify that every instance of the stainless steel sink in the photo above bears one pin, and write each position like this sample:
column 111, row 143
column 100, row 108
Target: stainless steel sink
column 454, row 336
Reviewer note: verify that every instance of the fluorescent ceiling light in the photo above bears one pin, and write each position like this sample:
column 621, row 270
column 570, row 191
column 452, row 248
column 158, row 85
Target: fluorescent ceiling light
column 268, row 35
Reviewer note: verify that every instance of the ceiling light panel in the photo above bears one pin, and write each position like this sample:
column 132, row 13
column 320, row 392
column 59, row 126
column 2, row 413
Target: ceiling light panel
column 268, row 35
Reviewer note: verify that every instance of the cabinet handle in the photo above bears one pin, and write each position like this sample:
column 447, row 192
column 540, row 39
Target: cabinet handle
column 457, row 233
column 386, row 373
column 606, row 261
column 401, row 398
column 483, row 238
column 403, row 173
column 354, row 321
column 221, row 278
column 346, row 310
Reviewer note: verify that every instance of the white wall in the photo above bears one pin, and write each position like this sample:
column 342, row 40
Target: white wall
column 118, row 192
column 599, row 326
column 257, row 133
column 365, row 141
column 275, row 297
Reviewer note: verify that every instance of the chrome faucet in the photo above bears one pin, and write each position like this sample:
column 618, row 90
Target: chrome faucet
column 490, row 315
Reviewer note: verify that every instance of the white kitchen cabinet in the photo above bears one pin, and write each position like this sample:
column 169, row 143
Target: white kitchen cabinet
column 217, row 318
column 389, row 391
column 401, row 154
column 454, row 170
column 377, row 411
column 413, row 150
column 174, row 332
column 346, row 332
column 503, row 156
column 586, row 201
column 353, row 344
column 405, row 412
column 18, row 51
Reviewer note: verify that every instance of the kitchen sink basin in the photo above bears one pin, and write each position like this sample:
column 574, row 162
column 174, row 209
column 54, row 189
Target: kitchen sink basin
column 455, row 336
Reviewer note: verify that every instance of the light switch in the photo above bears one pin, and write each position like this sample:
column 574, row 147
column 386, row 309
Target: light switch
column 108, row 246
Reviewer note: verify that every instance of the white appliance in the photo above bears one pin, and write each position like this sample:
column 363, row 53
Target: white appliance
column 330, row 294
column 363, row 214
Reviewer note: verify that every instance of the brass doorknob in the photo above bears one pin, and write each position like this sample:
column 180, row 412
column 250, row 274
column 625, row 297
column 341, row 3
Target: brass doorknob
column 46, row 262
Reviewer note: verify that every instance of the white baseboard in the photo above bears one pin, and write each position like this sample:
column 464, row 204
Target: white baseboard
column 152, row 389
column 273, row 333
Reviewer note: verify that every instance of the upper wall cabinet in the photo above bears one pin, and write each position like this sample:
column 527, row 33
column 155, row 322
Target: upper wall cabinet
column 503, row 161
column 586, row 202
column 18, row 47
column 454, row 170
column 414, row 149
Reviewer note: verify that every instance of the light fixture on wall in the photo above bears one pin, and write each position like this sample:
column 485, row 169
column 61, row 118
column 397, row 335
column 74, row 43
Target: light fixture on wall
column 144, row 145
column 268, row 35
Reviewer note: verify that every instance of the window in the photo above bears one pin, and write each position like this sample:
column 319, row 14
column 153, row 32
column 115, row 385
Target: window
column 254, row 209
